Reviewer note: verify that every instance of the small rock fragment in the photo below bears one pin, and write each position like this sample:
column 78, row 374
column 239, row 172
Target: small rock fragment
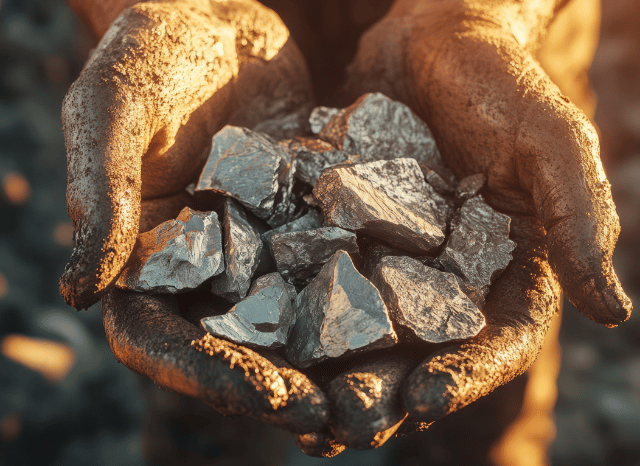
column 474, row 293
column 437, row 182
column 176, row 256
column 242, row 248
column 311, row 220
column 313, row 156
column 300, row 255
column 263, row 319
column 283, row 207
column 426, row 305
column 320, row 116
column 338, row 314
column 389, row 200
column 479, row 245
column 376, row 127
column 247, row 166
column 470, row 186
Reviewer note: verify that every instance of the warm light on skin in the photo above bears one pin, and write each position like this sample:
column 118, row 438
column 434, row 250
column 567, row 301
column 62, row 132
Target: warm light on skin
column 51, row 359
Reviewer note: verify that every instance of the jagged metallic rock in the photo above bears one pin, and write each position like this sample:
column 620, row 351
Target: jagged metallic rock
column 474, row 293
column 470, row 186
column 376, row 127
column 242, row 248
column 426, row 305
column 313, row 156
column 283, row 207
column 310, row 221
column 300, row 255
column 176, row 256
column 389, row 200
column 247, row 166
column 263, row 319
column 338, row 314
column 437, row 182
column 320, row 116
column 479, row 245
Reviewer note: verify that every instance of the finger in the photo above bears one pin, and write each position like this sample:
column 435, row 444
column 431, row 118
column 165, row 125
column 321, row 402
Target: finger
column 319, row 444
column 518, row 311
column 560, row 165
column 365, row 402
column 105, row 141
column 147, row 334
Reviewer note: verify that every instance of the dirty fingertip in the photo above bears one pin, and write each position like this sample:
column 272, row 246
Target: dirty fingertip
column 319, row 444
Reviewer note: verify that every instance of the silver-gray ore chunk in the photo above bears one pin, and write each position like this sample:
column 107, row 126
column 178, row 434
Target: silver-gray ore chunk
column 426, row 304
column 263, row 319
column 389, row 200
column 479, row 245
column 338, row 314
column 177, row 255
column 376, row 127
column 300, row 255
column 242, row 248
column 246, row 166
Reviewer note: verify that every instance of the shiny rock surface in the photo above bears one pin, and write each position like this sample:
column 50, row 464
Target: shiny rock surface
column 178, row 255
column 338, row 314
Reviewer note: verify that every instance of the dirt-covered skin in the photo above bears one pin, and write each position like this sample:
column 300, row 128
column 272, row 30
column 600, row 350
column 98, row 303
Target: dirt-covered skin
column 134, row 130
column 185, row 359
column 138, row 121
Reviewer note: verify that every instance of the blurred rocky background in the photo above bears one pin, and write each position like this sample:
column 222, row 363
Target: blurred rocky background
column 63, row 398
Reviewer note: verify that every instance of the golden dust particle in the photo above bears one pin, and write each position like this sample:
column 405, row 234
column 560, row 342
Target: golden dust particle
column 16, row 188
column 4, row 286
column 63, row 234
column 53, row 360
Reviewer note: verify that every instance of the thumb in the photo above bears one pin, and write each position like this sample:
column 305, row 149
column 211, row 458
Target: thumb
column 104, row 136
column 572, row 197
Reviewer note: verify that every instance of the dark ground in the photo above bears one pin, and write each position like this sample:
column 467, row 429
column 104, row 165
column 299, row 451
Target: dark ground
column 92, row 416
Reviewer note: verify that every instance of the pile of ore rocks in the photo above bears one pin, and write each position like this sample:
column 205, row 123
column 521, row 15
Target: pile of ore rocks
column 347, row 241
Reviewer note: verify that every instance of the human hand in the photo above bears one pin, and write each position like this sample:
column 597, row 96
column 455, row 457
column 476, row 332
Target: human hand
column 138, row 121
column 472, row 76
column 138, row 124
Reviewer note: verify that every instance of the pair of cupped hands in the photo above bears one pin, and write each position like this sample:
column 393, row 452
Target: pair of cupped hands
column 167, row 75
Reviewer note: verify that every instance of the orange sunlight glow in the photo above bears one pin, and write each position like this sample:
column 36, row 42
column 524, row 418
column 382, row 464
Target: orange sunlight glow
column 51, row 359
column 16, row 188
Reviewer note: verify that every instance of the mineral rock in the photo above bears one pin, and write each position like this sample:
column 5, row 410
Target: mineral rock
column 470, row 186
column 436, row 181
column 427, row 305
column 283, row 207
column 313, row 156
column 246, row 166
column 388, row 200
column 300, row 255
column 176, row 256
column 474, row 293
column 376, row 127
column 319, row 117
column 242, row 248
column 263, row 319
column 310, row 221
column 338, row 314
column 479, row 245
